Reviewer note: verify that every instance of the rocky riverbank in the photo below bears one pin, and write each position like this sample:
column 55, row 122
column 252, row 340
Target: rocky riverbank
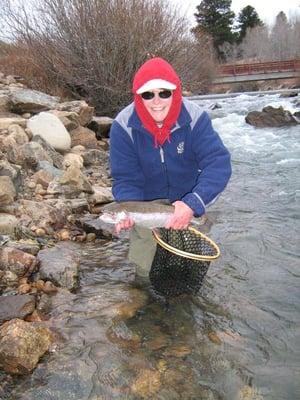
column 53, row 173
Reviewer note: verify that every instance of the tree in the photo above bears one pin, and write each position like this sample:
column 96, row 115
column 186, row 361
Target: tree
column 248, row 18
column 215, row 18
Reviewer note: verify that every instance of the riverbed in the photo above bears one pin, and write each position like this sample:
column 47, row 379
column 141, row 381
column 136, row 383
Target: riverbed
column 239, row 338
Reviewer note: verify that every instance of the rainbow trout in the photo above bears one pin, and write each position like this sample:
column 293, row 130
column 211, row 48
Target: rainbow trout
column 148, row 214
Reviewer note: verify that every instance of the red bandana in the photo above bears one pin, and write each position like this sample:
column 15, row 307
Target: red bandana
column 157, row 68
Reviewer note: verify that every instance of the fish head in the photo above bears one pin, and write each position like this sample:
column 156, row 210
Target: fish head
column 110, row 217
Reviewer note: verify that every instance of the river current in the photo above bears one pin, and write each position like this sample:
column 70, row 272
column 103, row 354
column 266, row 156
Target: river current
column 238, row 339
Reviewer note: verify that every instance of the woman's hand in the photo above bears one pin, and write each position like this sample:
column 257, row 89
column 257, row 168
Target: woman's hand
column 182, row 216
column 125, row 224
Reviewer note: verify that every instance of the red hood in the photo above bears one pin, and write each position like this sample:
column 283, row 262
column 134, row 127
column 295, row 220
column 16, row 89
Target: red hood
column 157, row 68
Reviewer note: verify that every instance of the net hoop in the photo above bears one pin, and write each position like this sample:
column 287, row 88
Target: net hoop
column 186, row 254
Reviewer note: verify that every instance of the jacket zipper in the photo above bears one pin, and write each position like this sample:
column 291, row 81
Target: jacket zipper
column 162, row 158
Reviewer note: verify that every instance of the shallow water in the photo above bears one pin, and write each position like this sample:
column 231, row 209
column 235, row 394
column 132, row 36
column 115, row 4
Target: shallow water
column 238, row 339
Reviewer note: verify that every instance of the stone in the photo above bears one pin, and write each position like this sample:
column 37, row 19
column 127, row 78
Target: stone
column 8, row 223
column 101, row 126
column 55, row 156
column 80, row 107
column 18, row 306
column 4, row 103
column 92, row 156
column 83, row 136
column 49, row 168
column 68, row 118
column 271, row 117
column 28, row 155
column 17, row 261
column 22, row 344
column 32, row 101
column 60, row 265
column 74, row 160
column 71, row 183
column 101, row 195
column 18, row 134
column 147, row 384
column 42, row 177
column 50, row 128
column 7, row 191
column 8, row 119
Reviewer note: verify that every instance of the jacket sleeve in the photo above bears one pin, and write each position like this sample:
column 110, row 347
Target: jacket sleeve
column 214, row 166
column 128, row 179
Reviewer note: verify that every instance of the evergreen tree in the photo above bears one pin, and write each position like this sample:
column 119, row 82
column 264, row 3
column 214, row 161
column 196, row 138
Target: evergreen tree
column 248, row 18
column 215, row 18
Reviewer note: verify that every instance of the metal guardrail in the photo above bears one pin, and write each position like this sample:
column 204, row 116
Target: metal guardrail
column 254, row 68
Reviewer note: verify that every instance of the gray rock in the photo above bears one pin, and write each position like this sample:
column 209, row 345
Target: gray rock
column 93, row 156
column 14, row 172
column 16, row 307
column 7, row 190
column 28, row 155
column 46, row 166
column 56, row 157
column 101, row 126
column 32, row 101
column 60, row 265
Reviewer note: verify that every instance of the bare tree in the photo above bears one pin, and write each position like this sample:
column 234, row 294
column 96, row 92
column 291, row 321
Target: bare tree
column 94, row 47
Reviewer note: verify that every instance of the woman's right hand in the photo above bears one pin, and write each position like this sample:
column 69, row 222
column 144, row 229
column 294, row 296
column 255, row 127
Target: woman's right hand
column 125, row 224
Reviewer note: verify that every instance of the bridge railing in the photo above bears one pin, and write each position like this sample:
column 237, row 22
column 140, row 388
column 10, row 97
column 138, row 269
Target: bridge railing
column 263, row 67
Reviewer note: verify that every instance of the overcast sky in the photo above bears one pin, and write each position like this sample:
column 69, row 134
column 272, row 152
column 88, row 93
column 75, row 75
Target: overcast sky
column 266, row 9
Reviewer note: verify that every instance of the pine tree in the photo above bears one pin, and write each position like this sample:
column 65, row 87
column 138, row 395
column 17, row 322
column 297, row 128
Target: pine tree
column 215, row 18
column 248, row 18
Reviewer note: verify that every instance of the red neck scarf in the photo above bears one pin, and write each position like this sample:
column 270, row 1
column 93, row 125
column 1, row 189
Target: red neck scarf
column 157, row 68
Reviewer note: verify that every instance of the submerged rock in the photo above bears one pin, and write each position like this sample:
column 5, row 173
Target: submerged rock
column 16, row 307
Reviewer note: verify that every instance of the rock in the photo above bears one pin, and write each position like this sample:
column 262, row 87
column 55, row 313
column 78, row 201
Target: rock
column 28, row 155
column 68, row 118
column 17, row 261
column 271, row 117
column 289, row 94
column 95, row 156
column 4, row 103
column 51, row 129
column 74, row 160
column 71, row 183
column 14, row 172
column 8, row 223
column 80, row 107
column 7, row 119
column 27, row 245
column 56, row 157
column 49, row 168
column 18, row 134
column 147, row 384
column 83, row 136
column 43, row 178
column 44, row 214
column 60, row 265
column 32, row 101
column 22, row 344
column 101, row 195
column 18, row 306
column 101, row 126
column 7, row 191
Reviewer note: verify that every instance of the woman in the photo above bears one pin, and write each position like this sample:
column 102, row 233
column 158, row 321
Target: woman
column 164, row 147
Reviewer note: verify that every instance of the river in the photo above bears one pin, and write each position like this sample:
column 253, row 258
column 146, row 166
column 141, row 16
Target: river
column 238, row 339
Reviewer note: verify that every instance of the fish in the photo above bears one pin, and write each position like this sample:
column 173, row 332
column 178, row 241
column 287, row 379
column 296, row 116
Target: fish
column 147, row 214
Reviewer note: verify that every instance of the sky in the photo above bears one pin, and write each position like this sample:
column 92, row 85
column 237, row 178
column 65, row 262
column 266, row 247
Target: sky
column 266, row 9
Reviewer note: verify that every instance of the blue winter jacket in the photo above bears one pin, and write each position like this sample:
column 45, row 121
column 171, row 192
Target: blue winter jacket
column 193, row 167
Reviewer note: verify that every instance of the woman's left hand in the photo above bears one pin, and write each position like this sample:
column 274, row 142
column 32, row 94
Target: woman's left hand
column 182, row 216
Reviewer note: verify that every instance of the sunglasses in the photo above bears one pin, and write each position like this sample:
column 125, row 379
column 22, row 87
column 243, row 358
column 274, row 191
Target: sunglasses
column 164, row 94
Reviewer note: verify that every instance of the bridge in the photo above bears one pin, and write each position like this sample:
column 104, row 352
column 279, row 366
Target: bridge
column 233, row 73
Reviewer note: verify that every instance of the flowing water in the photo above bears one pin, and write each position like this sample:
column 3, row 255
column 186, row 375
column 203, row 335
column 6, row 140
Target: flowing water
column 239, row 338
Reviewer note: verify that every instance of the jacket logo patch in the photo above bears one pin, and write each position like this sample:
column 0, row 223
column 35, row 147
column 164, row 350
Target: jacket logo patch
column 180, row 148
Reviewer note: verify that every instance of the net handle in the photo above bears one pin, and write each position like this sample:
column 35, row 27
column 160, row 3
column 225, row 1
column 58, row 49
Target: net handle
column 186, row 254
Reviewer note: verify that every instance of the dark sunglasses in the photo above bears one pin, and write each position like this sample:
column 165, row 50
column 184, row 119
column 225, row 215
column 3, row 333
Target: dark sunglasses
column 164, row 94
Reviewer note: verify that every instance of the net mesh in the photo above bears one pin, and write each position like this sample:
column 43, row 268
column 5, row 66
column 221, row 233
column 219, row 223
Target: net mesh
column 173, row 274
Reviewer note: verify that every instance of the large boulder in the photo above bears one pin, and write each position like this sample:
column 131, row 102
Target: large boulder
column 31, row 101
column 271, row 117
column 50, row 128
column 22, row 344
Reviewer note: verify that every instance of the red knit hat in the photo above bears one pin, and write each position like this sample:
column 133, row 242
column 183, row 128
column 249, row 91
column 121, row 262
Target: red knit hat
column 157, row 68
